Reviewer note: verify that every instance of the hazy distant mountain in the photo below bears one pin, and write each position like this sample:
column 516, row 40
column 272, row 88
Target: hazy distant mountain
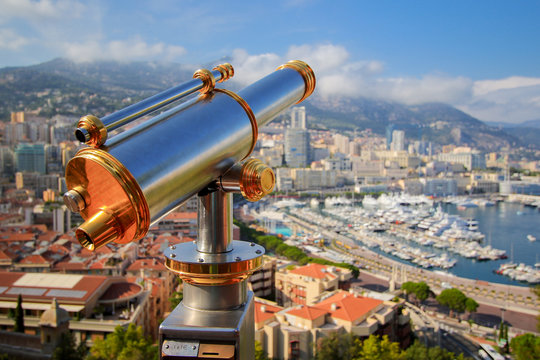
column 527, row 124
column 440, row 123
column 63, row 87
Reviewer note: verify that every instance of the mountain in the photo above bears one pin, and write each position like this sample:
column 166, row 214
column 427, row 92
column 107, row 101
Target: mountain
column 525, row 124
column 65, row 87
column 439, row 123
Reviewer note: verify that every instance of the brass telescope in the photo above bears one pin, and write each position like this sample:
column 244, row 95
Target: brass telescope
column 123, row 184
column 137, row 177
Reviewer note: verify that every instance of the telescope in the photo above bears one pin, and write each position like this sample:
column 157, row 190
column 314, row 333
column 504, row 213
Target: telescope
column 123, row 184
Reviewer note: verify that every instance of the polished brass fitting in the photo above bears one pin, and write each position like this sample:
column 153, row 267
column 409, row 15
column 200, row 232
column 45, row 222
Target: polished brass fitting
column 253, row 179
column 209, row 81
column 226, row 70
column 306, row 72
column 90, row 130
column 107, row 197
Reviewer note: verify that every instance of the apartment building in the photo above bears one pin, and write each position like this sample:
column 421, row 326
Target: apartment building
column 295, row 332
column 95, row 304
column 305, row 284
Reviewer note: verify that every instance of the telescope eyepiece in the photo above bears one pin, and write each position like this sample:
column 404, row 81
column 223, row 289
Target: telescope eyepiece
column 82, row 135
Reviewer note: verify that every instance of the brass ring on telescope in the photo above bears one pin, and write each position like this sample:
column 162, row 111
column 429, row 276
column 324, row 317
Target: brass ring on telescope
column 249, row 112
column 209, row 81
column 226, row 70
column 306, row 72
column 200, row 268
column 95, row 130
column 114, row 191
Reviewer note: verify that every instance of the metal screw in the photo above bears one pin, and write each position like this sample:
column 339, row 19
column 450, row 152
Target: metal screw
column 252, row 244
column 173, row 247
column 201, row 260
column 258, row 251
column 167, row 346
column 238, row 258
column 74, row 201
column 194, row 347
column 173, row 255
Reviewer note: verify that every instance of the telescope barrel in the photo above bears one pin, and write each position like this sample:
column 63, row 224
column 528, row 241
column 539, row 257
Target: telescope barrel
column 93, row 131
column 146, row 172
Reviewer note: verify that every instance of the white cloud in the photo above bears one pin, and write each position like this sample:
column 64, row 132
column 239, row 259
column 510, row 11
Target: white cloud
column 429, row 88
column 41, row 9
column 510, row 103
column 129, row 50
column 322, row 58
column 250, row 68
column 11, row 40
column 486, row 86
column 337, row 76
column 513, row 99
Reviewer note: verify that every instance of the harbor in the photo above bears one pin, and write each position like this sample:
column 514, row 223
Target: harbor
column 427, row 235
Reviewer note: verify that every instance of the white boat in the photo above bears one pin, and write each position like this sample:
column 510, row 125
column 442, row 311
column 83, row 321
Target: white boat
column 531, row 238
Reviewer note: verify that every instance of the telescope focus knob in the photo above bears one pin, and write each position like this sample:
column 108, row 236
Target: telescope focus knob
column 74, row 200
column 257, row 180
column 253, row 179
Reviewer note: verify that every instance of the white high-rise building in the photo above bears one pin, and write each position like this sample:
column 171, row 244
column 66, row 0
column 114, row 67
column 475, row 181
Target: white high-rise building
column 298, row 117
column 398, row 140
column 297, row 147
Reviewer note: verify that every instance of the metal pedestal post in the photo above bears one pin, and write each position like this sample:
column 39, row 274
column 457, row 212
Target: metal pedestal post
column 215, row 320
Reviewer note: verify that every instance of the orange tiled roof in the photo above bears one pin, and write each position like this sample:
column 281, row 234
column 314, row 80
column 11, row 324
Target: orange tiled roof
column 348, row 306
column 307, row 312
column 121, row 290
column 99, row 264
column 66, row 265
column 7, row 236
column 313, row 270
column 268, row 313
column 4, row 256
column 34, row 259
column 48, row 236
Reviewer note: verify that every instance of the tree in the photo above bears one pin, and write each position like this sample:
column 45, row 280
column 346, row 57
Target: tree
column 454, row 299
column 374, row 348
column 471, row 305
column 338, row 347
column 260, row 354
column 409, row 287
column 422, row 291
column 19, row 316
column 526, row 346
column 124, row 344
column 67, row 350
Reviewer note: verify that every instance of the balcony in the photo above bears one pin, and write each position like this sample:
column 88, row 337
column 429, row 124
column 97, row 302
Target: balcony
column 256, row 277
column 384, row 315
column 366, row 327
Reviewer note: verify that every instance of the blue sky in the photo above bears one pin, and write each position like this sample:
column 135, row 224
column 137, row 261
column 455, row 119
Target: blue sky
column 480, row 56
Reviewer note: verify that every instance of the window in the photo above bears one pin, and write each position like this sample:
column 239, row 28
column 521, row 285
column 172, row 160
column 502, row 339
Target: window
column 294, row 349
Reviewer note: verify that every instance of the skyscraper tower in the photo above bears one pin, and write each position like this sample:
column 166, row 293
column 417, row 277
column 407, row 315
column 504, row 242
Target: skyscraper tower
column 298, row 117
column 297, row 147
column 398, row 140
column 30, row 158
column 389, row 130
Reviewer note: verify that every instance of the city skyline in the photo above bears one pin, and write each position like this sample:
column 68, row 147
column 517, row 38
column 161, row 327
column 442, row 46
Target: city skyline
column 477, row 57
